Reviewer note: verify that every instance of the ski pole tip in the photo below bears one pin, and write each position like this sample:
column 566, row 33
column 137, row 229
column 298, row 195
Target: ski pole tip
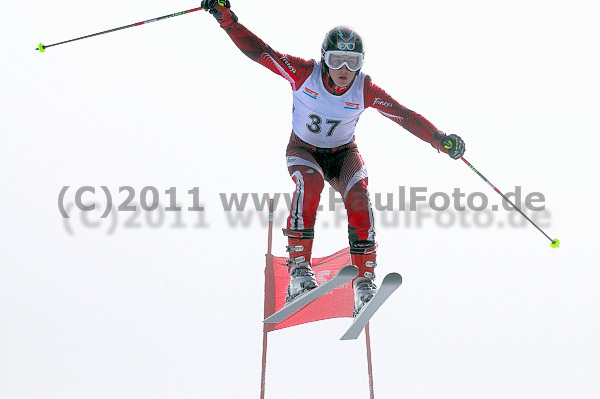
column 555, row 243
column 41, row 48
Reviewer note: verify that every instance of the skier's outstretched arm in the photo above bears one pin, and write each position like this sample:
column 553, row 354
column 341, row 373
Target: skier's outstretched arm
column 377, row 98
column 295, row 70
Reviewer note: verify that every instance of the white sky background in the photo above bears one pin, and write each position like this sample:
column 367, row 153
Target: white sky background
column 165, row 312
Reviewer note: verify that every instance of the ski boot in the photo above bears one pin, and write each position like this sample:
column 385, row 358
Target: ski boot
column 363, row 255
column 302, row 277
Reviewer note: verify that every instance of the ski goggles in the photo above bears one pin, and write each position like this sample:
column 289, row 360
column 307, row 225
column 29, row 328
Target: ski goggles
column 335, row 59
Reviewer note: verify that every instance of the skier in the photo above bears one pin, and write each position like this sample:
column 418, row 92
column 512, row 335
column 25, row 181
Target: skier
column 328, row 97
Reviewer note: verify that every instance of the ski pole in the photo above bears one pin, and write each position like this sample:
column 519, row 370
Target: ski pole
column 553, row 243
column 42, row 47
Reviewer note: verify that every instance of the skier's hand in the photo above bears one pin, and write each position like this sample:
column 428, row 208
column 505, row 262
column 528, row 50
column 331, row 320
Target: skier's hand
column 220, row 9
column 453, row 145
column 211, row 7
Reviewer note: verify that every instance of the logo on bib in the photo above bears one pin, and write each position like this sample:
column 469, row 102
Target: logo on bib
column 310, row 93
column 348, row 105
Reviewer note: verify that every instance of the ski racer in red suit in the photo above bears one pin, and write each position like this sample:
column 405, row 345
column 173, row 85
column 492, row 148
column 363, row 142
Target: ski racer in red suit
column 329, row 96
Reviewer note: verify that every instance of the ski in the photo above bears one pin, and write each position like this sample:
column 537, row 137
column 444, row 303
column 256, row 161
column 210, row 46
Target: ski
column 344, row 275
column 389, row 284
